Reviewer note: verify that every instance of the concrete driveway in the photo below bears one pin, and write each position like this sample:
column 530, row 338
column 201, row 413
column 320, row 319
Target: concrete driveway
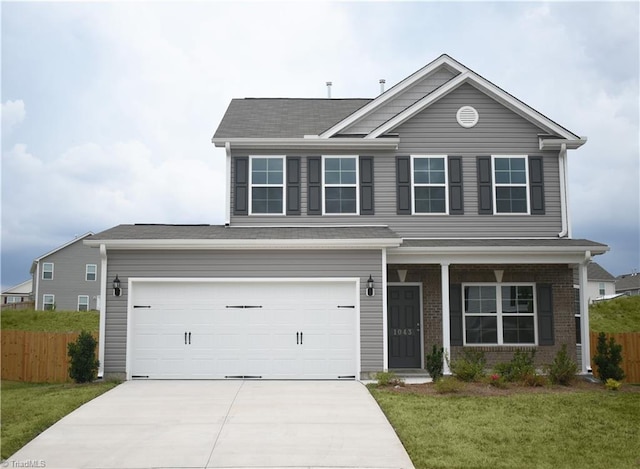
column 198, row 424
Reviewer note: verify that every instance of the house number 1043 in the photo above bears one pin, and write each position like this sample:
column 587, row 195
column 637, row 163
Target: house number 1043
column 402, row 331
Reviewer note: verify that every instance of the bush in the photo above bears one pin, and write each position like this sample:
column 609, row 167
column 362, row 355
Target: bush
column 83, row 366
column 388, row 378
column 434, row 362
column 519, row 369
column 448, row 385
column 497, row 381
column 562, row 370
column 612, row 384
column 470, row 366
column 608, row 358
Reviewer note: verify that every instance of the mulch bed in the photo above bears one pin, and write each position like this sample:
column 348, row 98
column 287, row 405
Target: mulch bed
column 484, row 389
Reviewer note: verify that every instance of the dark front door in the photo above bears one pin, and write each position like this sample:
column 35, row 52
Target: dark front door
column 404, row 327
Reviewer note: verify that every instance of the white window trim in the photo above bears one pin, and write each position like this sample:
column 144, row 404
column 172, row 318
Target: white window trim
column 282, row 186
column 95, row 272
column 356, row 185
column 44, row 264
column 499, row 315
column 445, row 185
column 87, row 303
column 44, row 301
column 495, row 185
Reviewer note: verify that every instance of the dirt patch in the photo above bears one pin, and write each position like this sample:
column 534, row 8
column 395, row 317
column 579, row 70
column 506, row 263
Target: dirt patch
column 484, row 389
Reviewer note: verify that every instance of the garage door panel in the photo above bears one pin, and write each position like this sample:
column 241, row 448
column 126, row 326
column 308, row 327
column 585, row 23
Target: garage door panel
column 244, row 329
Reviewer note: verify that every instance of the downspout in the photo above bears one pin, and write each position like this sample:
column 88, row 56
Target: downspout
column 103, row 308
column 564, row 208
column 385, row 340
column 37, row 285
column 227, row 196
column 584, row 314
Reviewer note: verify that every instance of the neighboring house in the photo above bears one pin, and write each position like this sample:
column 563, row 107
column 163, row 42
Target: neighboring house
column 628, row 284
column 601, row 285
column 67, row 278
column 358, row 234
column 20, row 293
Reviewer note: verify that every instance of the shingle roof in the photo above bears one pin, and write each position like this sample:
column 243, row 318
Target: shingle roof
column 628, row 282
column 220, row 232
column 596, row 272
column 283, row 117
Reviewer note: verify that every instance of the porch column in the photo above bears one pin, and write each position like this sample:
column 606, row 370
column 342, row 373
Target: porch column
column 446, row 333
column 102, row 307
column 584, row 315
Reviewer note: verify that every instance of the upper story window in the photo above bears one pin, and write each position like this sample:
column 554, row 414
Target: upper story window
column 601, row 289
column 429, row 177
column 91, row 272
column 48, row 302
column 340, row 184
column 47, row 271
column 499, row 315
column 83, row 302
column 267, row 185
column 510, row 183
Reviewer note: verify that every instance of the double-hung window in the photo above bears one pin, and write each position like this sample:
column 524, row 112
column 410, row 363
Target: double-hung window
column 267, row 185
column 48, row 302
column 340, row 184
column 499, row 314
column 510, row 184
column 429, row 177
column 47, row 271
column 91, row 272
column 83, row 302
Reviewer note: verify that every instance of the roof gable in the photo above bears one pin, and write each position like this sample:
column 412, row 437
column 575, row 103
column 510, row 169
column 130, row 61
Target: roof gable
column 59, row 248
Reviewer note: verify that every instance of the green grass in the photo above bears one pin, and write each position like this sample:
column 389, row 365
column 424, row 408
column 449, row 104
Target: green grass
column 50, row 321
column 27, row 409
column 549, row 430
column 618, row 315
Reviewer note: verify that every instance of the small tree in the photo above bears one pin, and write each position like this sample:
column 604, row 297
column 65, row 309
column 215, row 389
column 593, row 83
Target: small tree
column 434, row 362
column 562, row 369
column 83, row 366
column 608, row 358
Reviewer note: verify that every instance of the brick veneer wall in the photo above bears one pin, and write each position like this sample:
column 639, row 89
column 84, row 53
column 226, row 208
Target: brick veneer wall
column 559, row 275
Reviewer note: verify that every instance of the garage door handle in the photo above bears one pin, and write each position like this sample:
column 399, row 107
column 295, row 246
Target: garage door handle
column 189, row 338
column 185, row 338
column 297, row 338
column 301, row 338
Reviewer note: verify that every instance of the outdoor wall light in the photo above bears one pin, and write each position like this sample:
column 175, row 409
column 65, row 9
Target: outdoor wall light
column 116, row 286
column 370, row 289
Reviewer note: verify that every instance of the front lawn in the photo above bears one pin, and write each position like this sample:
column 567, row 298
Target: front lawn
column 550, row 429
column 28, row 409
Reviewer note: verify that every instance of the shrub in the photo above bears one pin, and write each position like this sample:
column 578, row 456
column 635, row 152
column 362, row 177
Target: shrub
column 612, row 384
column 562, row 370
column 519, row 369
column 497, row 381
column 83, row 366
column 448, row 385
column 608, row 358
column 388, row 378
column 434, row 362
column 470, row 366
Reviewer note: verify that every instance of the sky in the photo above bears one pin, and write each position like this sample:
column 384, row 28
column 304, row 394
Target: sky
column 108, row 109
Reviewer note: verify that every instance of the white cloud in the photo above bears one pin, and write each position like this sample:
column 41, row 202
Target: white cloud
column 13, row 113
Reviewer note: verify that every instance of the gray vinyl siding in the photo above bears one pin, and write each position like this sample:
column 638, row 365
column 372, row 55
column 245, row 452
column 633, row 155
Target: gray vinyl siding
column 245, row 264
column 435, row 131
column 401, row 102
column 69, row 267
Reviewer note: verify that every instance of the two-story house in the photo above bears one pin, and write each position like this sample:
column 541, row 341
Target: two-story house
column 358, row 233
column 67, row 277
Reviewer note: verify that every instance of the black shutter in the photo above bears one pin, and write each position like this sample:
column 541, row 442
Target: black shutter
column 293, row 185
column 536, row 185
column 241, row 186
column 485, row 191
column 545, row 314
column 403, row 179
column 366, row 185
column 456, row 201
column 455, row 313
column 314, row 185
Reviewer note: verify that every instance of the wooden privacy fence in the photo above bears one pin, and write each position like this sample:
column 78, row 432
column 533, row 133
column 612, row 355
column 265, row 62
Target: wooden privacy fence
column 630, row 342
column 36, row 357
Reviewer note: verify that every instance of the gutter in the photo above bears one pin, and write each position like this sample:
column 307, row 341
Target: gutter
column 309, row 142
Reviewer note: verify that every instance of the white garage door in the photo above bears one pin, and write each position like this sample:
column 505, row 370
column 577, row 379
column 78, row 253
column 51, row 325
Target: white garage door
column 270, row 330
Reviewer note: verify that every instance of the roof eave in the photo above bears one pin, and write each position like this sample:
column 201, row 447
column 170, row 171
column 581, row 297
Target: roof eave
column 309, row 142
column 556, row 143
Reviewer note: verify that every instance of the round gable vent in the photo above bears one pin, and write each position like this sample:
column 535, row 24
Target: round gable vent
column 467, row 116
